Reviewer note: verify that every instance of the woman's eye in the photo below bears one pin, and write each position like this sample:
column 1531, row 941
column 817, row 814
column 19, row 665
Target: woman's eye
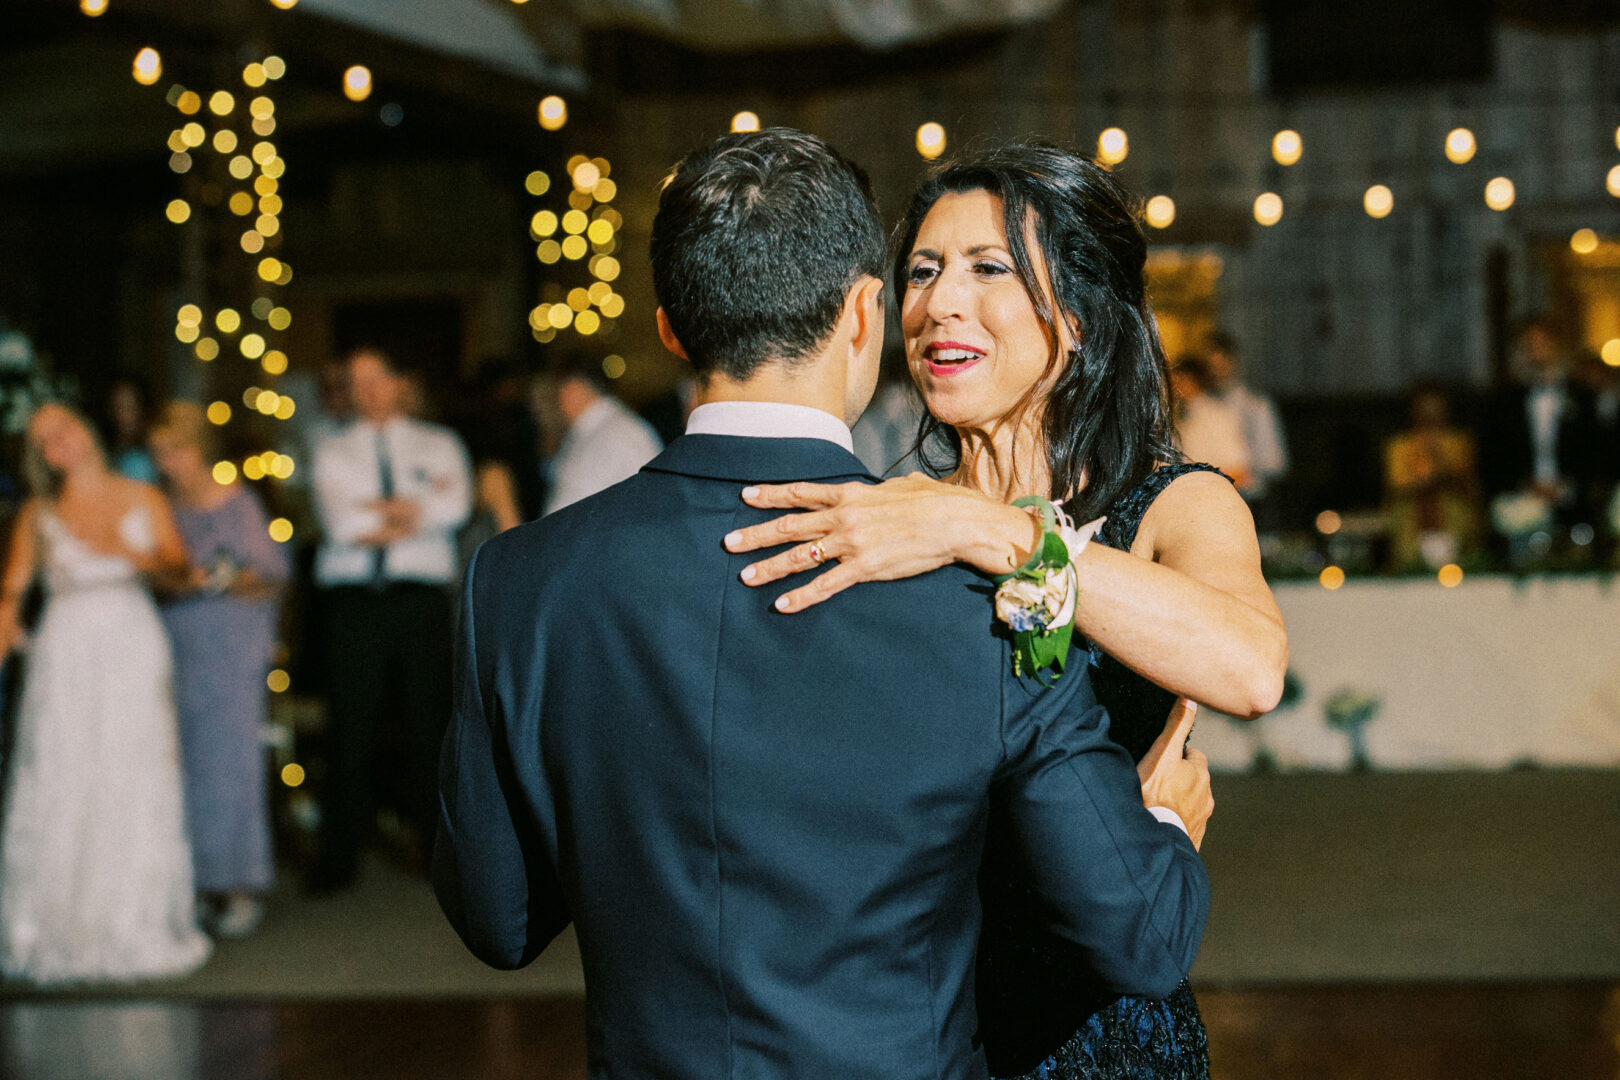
column 990, row 268
column 921, row 273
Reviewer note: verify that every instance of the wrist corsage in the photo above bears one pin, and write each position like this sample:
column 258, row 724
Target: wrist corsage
column 1037, row 600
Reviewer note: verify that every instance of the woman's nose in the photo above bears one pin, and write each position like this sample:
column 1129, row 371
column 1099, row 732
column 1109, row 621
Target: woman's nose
column 947, row 298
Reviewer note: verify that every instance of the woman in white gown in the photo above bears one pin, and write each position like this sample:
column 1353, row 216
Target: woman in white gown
column 95, row 874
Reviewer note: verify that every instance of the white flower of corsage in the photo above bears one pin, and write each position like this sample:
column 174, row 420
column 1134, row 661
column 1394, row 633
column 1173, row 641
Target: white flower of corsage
column 1037, row 601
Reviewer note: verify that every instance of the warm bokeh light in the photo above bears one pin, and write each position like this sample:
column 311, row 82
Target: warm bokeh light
column 178, row 211
column 1286, row 146
column 598, row 292
column 282, row 467
column 253, row 468
column 579, row 299
column 1378, row 201
column 274, row 362
column 227, row 320
column 186, row 334
column 1331, row 577
column 586, row 176
column 605, row 267
column 265, row 185
column 224, row 472
column 206, row 349
column 543, row 224
column 613, row 366
column 240, row 167
column 180, row 162
column 575, row 221
column 252, row 346
column 285, row 5
column 263, row 152
column 604, row 191
column 93, row 8
column 559, row 316
column 553, row 112
column 286, row 406
column 745, row 121
column 1328, row 522
column 613, row 306
column 1611, row 352
column 1161, row 211
column 275, row 67
column 1613, row 183
column 292, row 773
column 269, row 269
column 548, row 252
column 253, row 241
column 537, row 183
column 274, row 168
column 224, row 141
column 931, row 140
column 599, row 232
column 267, row 224
column 1450, row 575
column 1113, row 146
column 193, row 135
column 1460, row 146
column 220, row 103
column 253, row 75
column 269, row 204
column 261, row 106
column 574, row 247
column 265, row 401
column 357, row 83
column 189, row 102
column 587, row 322
column 219, row 413
column 1499, row 193
column 1268, row 208
column 188, row 315
column 241, row 204
column 278, row 681
column 1584, row 242
column 279, row 318
column 148, row 66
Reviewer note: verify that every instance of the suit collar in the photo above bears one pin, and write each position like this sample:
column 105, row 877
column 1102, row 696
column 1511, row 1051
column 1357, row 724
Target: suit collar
column 758, row 461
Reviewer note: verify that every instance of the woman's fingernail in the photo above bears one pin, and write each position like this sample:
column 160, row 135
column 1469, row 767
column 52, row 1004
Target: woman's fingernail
column 750, row 492
column 782, row 603
column 733, row 539
column 749, row 573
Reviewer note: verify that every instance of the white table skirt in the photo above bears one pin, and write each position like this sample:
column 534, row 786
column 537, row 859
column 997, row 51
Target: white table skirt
column 1493, row 673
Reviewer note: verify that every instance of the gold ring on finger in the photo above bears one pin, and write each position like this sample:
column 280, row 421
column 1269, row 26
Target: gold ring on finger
column 818, row 554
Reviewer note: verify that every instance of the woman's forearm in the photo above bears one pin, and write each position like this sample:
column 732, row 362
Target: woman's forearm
column 1189, row 637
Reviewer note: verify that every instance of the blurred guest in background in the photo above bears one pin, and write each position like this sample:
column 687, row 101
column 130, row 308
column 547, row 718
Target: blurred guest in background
column 603, row 442
column 1207, row 429
column 391, row 491
column 95, row 869
column 127, row 414
column 501, row 450
column 1262, row 431
column 1431, row 492
column 1540, row 434
column 222, row 629
column 669, row 411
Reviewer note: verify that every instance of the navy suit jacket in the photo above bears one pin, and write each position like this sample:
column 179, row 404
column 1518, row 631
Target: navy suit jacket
column 766, row 828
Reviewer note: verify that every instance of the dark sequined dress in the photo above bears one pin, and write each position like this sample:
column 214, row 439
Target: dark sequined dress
column 1033, row 993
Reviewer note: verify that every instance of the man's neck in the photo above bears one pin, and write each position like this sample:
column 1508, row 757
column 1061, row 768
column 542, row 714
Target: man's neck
column 774, row 383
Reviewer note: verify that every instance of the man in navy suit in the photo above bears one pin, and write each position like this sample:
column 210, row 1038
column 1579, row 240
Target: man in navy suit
column 767, row 830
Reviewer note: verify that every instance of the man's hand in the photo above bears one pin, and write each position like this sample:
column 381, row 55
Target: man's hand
column 400, row 518
column 1177, row 778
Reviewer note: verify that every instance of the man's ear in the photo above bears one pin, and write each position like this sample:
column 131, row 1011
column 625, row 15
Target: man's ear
column 864, row 307
column 666, row 334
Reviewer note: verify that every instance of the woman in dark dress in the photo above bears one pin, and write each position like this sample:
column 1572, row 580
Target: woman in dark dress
column 1022, row 301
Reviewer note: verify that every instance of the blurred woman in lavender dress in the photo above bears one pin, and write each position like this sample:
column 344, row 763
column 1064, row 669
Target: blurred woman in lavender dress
column 222, row 628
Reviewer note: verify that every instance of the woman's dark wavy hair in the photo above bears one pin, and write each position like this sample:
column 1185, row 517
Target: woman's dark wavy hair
column 1107, row 418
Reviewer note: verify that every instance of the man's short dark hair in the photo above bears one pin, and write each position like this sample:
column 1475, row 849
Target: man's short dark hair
column 758, row 239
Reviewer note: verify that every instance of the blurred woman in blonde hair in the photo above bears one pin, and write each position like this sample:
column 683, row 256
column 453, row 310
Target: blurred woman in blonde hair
column 222, row 627
column 95, row 870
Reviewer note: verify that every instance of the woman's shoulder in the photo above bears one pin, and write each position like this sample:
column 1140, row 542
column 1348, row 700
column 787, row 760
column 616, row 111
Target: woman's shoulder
column 1193, row 501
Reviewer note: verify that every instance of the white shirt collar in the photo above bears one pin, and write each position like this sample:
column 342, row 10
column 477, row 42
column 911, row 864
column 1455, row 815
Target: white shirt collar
column 768, row 420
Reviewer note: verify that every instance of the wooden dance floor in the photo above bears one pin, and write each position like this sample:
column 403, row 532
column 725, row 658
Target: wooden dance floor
column 1488, row 1032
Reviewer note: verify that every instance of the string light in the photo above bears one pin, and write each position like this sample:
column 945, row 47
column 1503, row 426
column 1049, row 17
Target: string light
column 1161, row 211
column 1286, row 146
column 613, row 366
column 1331, row 577
column 537, row 183
column 1450, row 575
column 357, row 83
column 148, row 66
column 93, row 8
column 1499, row 193
column 221, row 102
column 553, row 112
column 1584, row 242
column 931, row 140
column 1268, row 208
column 1614, row 182
column 285, row 5
column 178, row 211
column 1460, row 146
column 1378, row 201
column 1113, row 146
column 1611, row 352
column 743, row 121
column 281, row 530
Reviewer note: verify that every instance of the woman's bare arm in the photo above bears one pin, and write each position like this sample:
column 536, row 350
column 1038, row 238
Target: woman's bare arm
column 19, row 573
column 1200, row 621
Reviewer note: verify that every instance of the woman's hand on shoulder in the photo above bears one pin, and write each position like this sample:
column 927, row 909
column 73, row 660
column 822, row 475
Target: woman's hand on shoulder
column 878, row 532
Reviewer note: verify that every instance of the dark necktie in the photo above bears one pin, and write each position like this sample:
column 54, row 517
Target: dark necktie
column 385, row 488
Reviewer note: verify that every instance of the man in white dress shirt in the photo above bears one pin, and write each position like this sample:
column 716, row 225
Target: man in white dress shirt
column 1262, row 431
column 605, row 442
column 391, row 492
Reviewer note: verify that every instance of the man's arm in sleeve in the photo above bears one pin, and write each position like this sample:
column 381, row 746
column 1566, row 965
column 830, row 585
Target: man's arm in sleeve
column 492, row 872
column 1126, row 889
column 342, row 500
column 449, row 502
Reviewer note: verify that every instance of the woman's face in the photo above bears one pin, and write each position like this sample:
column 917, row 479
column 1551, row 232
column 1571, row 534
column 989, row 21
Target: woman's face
column 973, row 341
column 62, row 439
column 177, row 459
